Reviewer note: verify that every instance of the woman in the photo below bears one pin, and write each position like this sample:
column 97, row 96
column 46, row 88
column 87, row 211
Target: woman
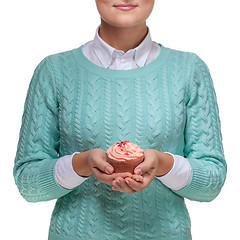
column 120, row 86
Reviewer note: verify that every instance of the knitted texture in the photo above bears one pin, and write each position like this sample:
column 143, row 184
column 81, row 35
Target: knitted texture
column 74, row 105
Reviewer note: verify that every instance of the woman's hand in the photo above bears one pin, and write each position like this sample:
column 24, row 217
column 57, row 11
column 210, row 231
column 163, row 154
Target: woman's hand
column 155, row 164
column 95, row 162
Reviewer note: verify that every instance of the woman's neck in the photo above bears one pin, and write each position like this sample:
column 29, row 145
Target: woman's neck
column 123, row 38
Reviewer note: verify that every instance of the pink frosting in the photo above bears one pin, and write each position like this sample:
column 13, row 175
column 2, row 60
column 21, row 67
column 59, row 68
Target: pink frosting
column 125, row 151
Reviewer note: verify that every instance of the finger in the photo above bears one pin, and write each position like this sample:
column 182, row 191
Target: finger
column 117, row 176
column 102, row 176
column 143, row 167
column 103, row 165
column 108, row 178
column 144, row 182
column 117, row 182
column 134, row 185
column 122, row 175
column 121, row 186
column 137, row 178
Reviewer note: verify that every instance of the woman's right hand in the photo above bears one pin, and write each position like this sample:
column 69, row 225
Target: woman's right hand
column 95, row 162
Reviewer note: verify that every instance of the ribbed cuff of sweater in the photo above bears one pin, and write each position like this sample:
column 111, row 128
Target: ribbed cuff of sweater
column 197, row 187
column 48, row 183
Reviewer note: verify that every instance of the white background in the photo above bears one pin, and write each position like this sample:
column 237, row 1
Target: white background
column 31, row 30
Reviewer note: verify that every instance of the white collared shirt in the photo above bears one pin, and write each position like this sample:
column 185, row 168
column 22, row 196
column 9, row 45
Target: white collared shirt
column 103, row 55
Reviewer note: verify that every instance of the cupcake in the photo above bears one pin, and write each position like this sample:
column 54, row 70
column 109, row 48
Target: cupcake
column 125, row 156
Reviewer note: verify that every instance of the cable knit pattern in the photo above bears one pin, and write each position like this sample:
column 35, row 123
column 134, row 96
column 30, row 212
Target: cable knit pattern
column 73, row 105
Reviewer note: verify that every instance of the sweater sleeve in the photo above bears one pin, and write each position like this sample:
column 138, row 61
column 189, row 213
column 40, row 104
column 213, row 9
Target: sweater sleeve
column 38, row 145
column 203, row 141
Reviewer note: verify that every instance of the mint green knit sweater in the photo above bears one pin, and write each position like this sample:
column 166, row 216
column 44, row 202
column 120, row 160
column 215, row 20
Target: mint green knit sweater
column 75, row 105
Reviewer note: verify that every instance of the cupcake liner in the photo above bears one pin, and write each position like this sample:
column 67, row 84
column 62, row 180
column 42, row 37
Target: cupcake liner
column 125, row 166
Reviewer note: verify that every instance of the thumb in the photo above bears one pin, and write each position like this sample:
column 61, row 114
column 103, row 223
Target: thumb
column 142, row 167
column 109, row 169
column 99, row 162
column 105, row 167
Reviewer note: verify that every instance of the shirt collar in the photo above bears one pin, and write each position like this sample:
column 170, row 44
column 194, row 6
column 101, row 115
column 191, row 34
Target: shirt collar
column 105, row 53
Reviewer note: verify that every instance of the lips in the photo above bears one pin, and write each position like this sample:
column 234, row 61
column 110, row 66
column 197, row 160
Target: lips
column 125, row 7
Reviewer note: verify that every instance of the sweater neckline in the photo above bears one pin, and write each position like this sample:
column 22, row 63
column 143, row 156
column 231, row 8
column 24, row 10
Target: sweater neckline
column 92, row 67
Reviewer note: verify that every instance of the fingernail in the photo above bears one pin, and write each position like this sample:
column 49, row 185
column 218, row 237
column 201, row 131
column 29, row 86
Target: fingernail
column 127, row 181
column 108, row 170
column 138, row 171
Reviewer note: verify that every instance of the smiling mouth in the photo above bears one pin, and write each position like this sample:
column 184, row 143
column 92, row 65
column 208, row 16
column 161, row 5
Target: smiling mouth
column 125, row 7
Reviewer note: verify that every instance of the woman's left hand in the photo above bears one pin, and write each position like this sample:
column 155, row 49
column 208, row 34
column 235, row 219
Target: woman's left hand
column 155, row 164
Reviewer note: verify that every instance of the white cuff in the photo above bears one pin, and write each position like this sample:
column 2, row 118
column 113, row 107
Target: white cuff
column 180, row 174
column 65, row 174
